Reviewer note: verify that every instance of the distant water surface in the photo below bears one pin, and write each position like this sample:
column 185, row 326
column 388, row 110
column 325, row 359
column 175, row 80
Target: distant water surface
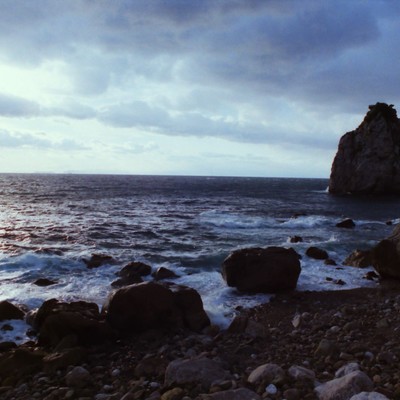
column 48, row 223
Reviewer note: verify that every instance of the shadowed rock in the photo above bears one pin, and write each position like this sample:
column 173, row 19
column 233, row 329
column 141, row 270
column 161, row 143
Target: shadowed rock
column 368, row 158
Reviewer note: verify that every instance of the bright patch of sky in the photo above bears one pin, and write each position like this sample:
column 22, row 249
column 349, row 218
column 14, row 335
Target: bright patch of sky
column 228, row 87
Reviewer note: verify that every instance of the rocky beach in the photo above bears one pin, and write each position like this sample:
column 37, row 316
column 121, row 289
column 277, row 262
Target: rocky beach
column 301, row 345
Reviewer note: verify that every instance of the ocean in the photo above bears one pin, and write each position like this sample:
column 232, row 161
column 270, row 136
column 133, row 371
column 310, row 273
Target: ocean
column 50, row 223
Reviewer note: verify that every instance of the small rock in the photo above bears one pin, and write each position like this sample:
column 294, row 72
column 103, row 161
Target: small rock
column 347, row 369
column 237, row 394
column 267, row 373
column 271, row 389
column 345, row 387
column 316, row 253
column 347, row 223
column 173, row 394
column 78, row 377
column 299, row 373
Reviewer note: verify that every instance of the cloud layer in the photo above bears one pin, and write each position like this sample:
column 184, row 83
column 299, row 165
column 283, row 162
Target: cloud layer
column 245, row 71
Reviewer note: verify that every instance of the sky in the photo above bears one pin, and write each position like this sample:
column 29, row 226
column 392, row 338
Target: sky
column 190, row 87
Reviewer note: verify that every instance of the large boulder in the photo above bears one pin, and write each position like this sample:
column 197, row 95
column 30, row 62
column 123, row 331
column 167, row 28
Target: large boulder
column 56, row 320
column 386, row 256
column 268, row 270
column 368, row 158
column 149, row 305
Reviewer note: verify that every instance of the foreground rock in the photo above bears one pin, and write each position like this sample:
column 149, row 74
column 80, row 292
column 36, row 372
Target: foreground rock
column 268, row 270
column 386, row 256
column 80, row 322
column 150, row 305
column 367, row 160
column 10, row 311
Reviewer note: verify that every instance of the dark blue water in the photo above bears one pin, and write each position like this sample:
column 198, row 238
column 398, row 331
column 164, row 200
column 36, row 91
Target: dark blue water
column 189, row 224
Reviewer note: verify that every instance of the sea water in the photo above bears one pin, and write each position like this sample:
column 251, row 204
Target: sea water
column 50, row 223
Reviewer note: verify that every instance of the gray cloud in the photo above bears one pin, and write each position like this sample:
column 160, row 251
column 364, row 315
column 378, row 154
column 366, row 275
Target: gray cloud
column 231, row 53
column 26, row 140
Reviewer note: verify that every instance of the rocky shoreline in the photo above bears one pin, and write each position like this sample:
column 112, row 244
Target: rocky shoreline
column 280, row 350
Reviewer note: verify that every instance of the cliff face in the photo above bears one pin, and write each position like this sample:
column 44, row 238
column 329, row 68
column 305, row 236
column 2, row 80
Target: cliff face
column 368, row 158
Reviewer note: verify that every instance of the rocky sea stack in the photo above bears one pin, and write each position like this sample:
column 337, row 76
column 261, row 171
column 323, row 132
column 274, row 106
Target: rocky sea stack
column 368, row 158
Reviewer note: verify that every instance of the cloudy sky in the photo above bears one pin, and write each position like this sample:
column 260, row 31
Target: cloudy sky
column 190, row 87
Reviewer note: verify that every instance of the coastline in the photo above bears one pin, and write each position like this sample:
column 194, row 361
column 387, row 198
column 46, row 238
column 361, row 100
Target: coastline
column 361, row 325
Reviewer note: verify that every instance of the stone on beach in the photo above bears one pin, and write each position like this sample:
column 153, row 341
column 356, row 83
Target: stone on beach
column 148, row 305
column 386, row 256
column 344, row 387
column 56, row 320
column 203, row 371
column 269, row 270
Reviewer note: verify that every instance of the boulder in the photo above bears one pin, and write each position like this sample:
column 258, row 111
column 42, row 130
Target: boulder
column 135, row 268
column 316, row 253
column 44, row 282
column 10, row 311
column 386, row 256
column 269, row 270
column 97, row 260
column 367, row 160
column 202, row 371
column 345, row 387
column 55, row 320
column 359, row 258
column 149, row 305
column 163, row 273
column 346, row 223
column 369, row 396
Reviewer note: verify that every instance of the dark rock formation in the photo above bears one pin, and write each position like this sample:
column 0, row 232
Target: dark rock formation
column 10, row 311
column 359, row 258
column 163, row 273
column 151, row 305
column 346, row 223
column 268, row 270
column 44, row 282
column 368, row 158
column 135, row 268
column 56, row 320
column 386, row 256
column 97, row 260
column 316, row 253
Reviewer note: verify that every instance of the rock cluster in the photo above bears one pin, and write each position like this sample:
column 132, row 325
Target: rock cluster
column 368, row 158
column 301, row 346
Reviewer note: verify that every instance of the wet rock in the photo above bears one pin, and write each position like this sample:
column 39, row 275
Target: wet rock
column 270, row 270
column 44, row 282
column 359, row 258
column 386, row 256
column 148, row 305
column 55, row 320
column 347, row 223
column 164, row 273
column 97, row 260
column 10, row 311
column 296, row 239
column 345, row 387
column 135, row 268
column 367, row 160
column 267, row 373
column 126, row 281
column 316, row 253
column 203, row 371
